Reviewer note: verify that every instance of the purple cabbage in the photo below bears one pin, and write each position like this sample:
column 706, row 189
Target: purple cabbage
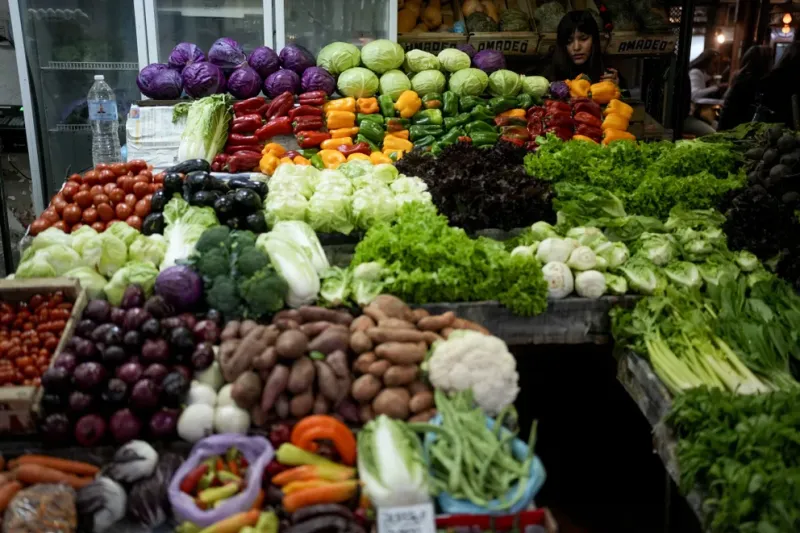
column 297, row 58
column 489, row 61
column 317, row 79
column 264, row 60
column 185, row 54
column 280, row 82
column 559, row 90
column 244, row 82
column 203, row 79
column 467, row 49
column 227, row 54
column 160, row 82
column 180, row 287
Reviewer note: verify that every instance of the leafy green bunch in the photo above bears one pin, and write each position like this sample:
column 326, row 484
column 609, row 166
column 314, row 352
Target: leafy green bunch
column 239, row 279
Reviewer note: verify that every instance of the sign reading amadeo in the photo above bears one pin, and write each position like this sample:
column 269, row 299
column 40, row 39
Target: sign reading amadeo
column 641, row 45
column 521, row 45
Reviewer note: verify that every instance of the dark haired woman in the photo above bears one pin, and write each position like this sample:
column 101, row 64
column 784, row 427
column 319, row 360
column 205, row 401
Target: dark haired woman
column 577, row 50
column 703, row 98
column 739, row 105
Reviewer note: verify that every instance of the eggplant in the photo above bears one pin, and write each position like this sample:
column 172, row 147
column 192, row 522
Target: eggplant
column 244, row 183
column 204, row 198
column 256, row 222
column 786, row 143
column 173, row 183
column 224, row 206
column 153, row 224
column 236, row 222
column 770, row 156
column 199, row 181
column 248, row 199
column 190, row 165
column 159, row 200
column 218, row 184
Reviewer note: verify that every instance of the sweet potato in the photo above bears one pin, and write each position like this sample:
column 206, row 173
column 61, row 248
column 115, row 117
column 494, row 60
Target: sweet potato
column 392, row 306
column 230, row 331
column 402, row 353
column 248, row 349
column 365, row 413
column 392, row 402
column 312, row 329
column 338, row 363
column 291, row 344
column 419, row 314
column 446, row 332
column 321, row 406
column 362, row 323
column 379, row 368
column 257, row 416
column 396, row 323
column 291, row 314
column 431, row 337
column 326, row 381
column 424, row 416
column 421, row 402
column 363, row 362
column 437, row 322
column 246, row 327
column 286, row 324
column 282, row 407
column 461, row 323
column 365, row 388
column 246, row 389
column 379, row 335
column 360, row 342
column 313, row 314
column 301, row 405
column 330, row 340
column 267, row 359
column 418, row 386
column 301, row 376
column 399, row 375
column 275, row 385
column 375, row 313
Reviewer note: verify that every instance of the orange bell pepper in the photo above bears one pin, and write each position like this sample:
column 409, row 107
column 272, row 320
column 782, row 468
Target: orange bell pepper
column 583, row 138
column 516, row 113
column 340, row 104
column 612, row 135
column 615, row 122
column 618, row 107
column 357, row 155
column 343, row 132
column 402, row 134
column 367, row 106
column 300, row 160
column 332, row 144
column 275, row 149
column 378, row 158
column 605, row 91
column 332, row 158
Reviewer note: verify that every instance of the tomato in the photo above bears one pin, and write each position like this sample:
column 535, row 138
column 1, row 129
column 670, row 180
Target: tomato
column 123, row 211
column 117, row 195
column 58, row 203
column 76, row 178
column 50, row 215
column 134, row 222
column 119, row 169
column 91, row 178
column 100, row 199
column 69, row 190
column 89, row 215
column 159, row 178
column 127, row 185
column 158, row 186
column 35, row 301
column 151, row 187
column 97, row 189
column 147, row 174
column 83, row 199
column 61, row 225
column 101, row 166
column 108, row 187
column 105, row 212
column 83, row 187
column 142, row 208
column 107, row 176
column 136, row 165
column 131, row 199
column 39, row 225
column 99, row 227
column 148, row 197
column 72, row 213
column 140, row 189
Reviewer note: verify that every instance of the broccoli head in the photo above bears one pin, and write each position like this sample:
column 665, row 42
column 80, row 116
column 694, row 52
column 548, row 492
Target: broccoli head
column 250, row 261
column 214, row 237
column 213, row 263
column 242, row 239
column 263, row 293
column 222, row 296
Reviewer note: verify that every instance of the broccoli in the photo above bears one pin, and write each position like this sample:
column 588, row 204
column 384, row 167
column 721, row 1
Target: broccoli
column 214, row 237
column 222, row 297
column 263, row 293
column 213, row 263
column 242, row 239
column 250, row 261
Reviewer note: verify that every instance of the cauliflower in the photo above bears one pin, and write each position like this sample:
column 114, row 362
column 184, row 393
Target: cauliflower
column 471, row 360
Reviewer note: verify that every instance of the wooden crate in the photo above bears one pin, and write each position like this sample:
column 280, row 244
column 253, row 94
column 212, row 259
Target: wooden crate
column 515, row 43
column 436, row 41
column 18, row 405
column 547, row 36
column 632, row 43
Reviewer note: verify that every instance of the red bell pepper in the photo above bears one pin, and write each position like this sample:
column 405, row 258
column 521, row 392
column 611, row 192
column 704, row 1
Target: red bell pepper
column 559, row 121
column 311, row 139
column 221, row 158
column 307, row 123
column 358, row 148
column 583, row 117
column 589, row 131
column 280, row 106
column 240, row 138
column 557, row 105
column 513, row 140
column 515, row 132
column 564, row 134
column 535, row 110
column 465, row 139
column 231, row 149
column 509, row 121
column 535, row 129
column 312, row 98
column 216, row 166
column 246, row 124
column 587, row 106
column 276, row 126
column 250, row 105
column 305, row 111
column 243, row 161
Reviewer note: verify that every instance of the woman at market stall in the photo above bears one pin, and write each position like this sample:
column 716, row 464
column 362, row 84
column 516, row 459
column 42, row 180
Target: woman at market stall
column 703, row 97
column 739, row 104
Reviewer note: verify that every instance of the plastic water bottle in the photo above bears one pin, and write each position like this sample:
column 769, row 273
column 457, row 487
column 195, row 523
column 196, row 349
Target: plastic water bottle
column 105, row 122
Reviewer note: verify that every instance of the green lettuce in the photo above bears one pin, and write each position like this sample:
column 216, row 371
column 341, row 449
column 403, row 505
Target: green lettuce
column 206, row 128
column 139, row 272
column 148, row 248
column 89, row 279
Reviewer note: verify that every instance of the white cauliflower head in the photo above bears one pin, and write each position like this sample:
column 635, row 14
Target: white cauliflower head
column 471, row 360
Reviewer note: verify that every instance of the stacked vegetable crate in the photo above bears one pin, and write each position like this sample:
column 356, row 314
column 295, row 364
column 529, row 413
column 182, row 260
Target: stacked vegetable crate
column 436, row 41
column 547, row 36
column 19, row 404
column 513, row 43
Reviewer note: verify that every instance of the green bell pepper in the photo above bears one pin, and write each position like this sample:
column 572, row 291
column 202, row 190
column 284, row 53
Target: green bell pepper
column 436, row 148
column 308, row 153
column 466, row 103
column 449, row 104
column 373, row 117
column 458, row 120
column 451, row 137
column 481, row 126
column 524, row 101
column 397, row 124
column 418, row 132
column 432, row 101
column 484, row 138
column 362, row 139
column 425, row 142
column 371, row 130
column 428, row 117
column 386, row 104
column 481, row 112
column 316, row 162
column 502, row 103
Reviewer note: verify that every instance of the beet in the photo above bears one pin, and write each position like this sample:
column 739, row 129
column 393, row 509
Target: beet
column 85, row 327
column 163, row 423
column 156, row 372
column 99, row 333
column 117, row 316
column 206, row 331
column 181, row 341
column 125, row 426
column 85, row 350
column 116, row 393
column 158, row 307
column 97, row 310
column 113, row 335
column 174, row 389
column 189, row 320
column 171, row 323
column 130, row 372
column 114, row 356
column 151, row 328
column 134, row 318
column 89, row 430
column 144, row 395
column 56, row 379
column 56, row 428
column 132, row 340
column 132, row 297
column 155, row 351
column 214, row 316
column 203, row 356
column 80, row 402
column 67, row 361
column 89, row 375
column 52, row 403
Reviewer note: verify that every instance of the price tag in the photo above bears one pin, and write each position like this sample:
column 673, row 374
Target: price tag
column 418, row 518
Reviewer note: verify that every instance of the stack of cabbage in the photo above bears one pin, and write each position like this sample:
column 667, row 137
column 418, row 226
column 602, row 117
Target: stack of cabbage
column 356, row 195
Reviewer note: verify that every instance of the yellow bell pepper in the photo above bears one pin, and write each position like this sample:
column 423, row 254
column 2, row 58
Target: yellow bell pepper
column 402, row 134
column 343, row 132
column 605, row 91
column 367, row 105
column 274, row 149
column 378, row 158
column 341, row 104
column 331, row 158
column 408, row 104
column 353, row 157
column 391, row 142
column 615, row 122
column 286, row 160
column 579, row 88
column 583, row 138
column 516, row 113
column 394, row 155
column 612, row 135
column 340, row 119
column 618, row 107
column 333, row 144
column 268, row 164
column 300, row 160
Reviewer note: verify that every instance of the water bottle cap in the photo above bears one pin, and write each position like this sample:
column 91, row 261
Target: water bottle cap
column 99, row 77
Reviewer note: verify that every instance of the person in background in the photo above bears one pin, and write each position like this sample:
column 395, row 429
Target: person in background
column 703, row 98
column 577, row 50
column 780, row 85
column 739, row 104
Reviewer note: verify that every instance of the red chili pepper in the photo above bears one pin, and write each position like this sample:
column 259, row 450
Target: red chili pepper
column 216, row 166
column 311, row 139
column 276, row 126
column 262, row 110
column 233, row 148
column 305, row 111
column 582, row 117
column 589, row 131
column 312, row 98
column 358, row 148
column 307, row 123
column 246, row 124
column 280, row 105
column 509, row 121
column 240, row 138
column 243, row 161
column 189, row 483
column 249, row 105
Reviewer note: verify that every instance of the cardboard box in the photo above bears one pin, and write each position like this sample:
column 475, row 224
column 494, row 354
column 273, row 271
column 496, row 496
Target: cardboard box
column 435, row 41
column 513, row 43
column 19, row 405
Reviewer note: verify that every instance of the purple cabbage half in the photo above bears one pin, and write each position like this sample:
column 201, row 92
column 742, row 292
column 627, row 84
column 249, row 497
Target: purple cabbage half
column 297, row 58
column 489, row 61
column 244, row 82
column 227, row 54
column 317, row 79
column 203, row 79
column 160, row 82
column 180, row 286
column 280, row 82
column 559, row 90
column 467, row 49
column 185, row 54
column 264, row 60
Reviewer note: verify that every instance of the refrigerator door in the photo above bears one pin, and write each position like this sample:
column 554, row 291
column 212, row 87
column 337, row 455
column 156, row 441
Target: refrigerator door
column 315, row 23
column 202, row 22
column 59, row 51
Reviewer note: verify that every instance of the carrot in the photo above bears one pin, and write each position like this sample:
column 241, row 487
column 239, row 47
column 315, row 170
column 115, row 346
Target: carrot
column 294, row 486
column 233, row 523
column 5, row 477
column 259, row 501
column 7, row 493
column 309, row 472
column 33, row 474
column 68, row 467
column 330, row 493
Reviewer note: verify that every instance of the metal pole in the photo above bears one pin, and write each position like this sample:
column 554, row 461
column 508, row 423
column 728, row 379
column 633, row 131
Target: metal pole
column 5, row 232
column 680, row 109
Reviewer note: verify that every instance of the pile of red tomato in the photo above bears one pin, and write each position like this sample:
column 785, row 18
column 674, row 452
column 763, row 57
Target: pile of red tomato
column 101, row 196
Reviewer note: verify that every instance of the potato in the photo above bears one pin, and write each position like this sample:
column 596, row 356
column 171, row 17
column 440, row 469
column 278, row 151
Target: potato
column 274, row 386
column 338, row 363
column 365, row 413
column 437, row 322
column 365, row 388
column 314, row 314
column 402, row 353
column 421, row 402
column 360, row 342
column 418, row 314
column 423, row 416
column 230, row 331
column 282, row 407
column 330, row 340
column 396, row 323
column 267, row 359
column 301, row 405
column 312, row 329
column 362, row 323
column 417, row 387
column 379, row 335
column 291, row 344
column 246, row 327
column 246, row 389
column 399, row 375
column 392, row 306
column 301, row 376
column 327, row 382
column 321, row 406
column 291, row 314
column 379, row 368
column 392, row 402
column 363, row 362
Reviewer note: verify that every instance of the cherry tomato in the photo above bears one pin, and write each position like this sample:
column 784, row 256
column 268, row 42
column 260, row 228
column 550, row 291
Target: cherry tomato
column 105, row 212
column 69, row 190
column 35, row 301
column 83, row 199
column 58, row 203
column 89, row 215
column 140, row 189
column 117, row 195
column 119, row 169
column 61, row 225
column 107, row 176
column 134, row 222
column 99, row 227
column 136, row 165
column 91, row 178
column 75, row 178
column 39, row 225
column 142, row 208
column 51, row 215
column 123, row 211
column 131, row 199
column 72, row 213
column 97, row 189
column 151, row 187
